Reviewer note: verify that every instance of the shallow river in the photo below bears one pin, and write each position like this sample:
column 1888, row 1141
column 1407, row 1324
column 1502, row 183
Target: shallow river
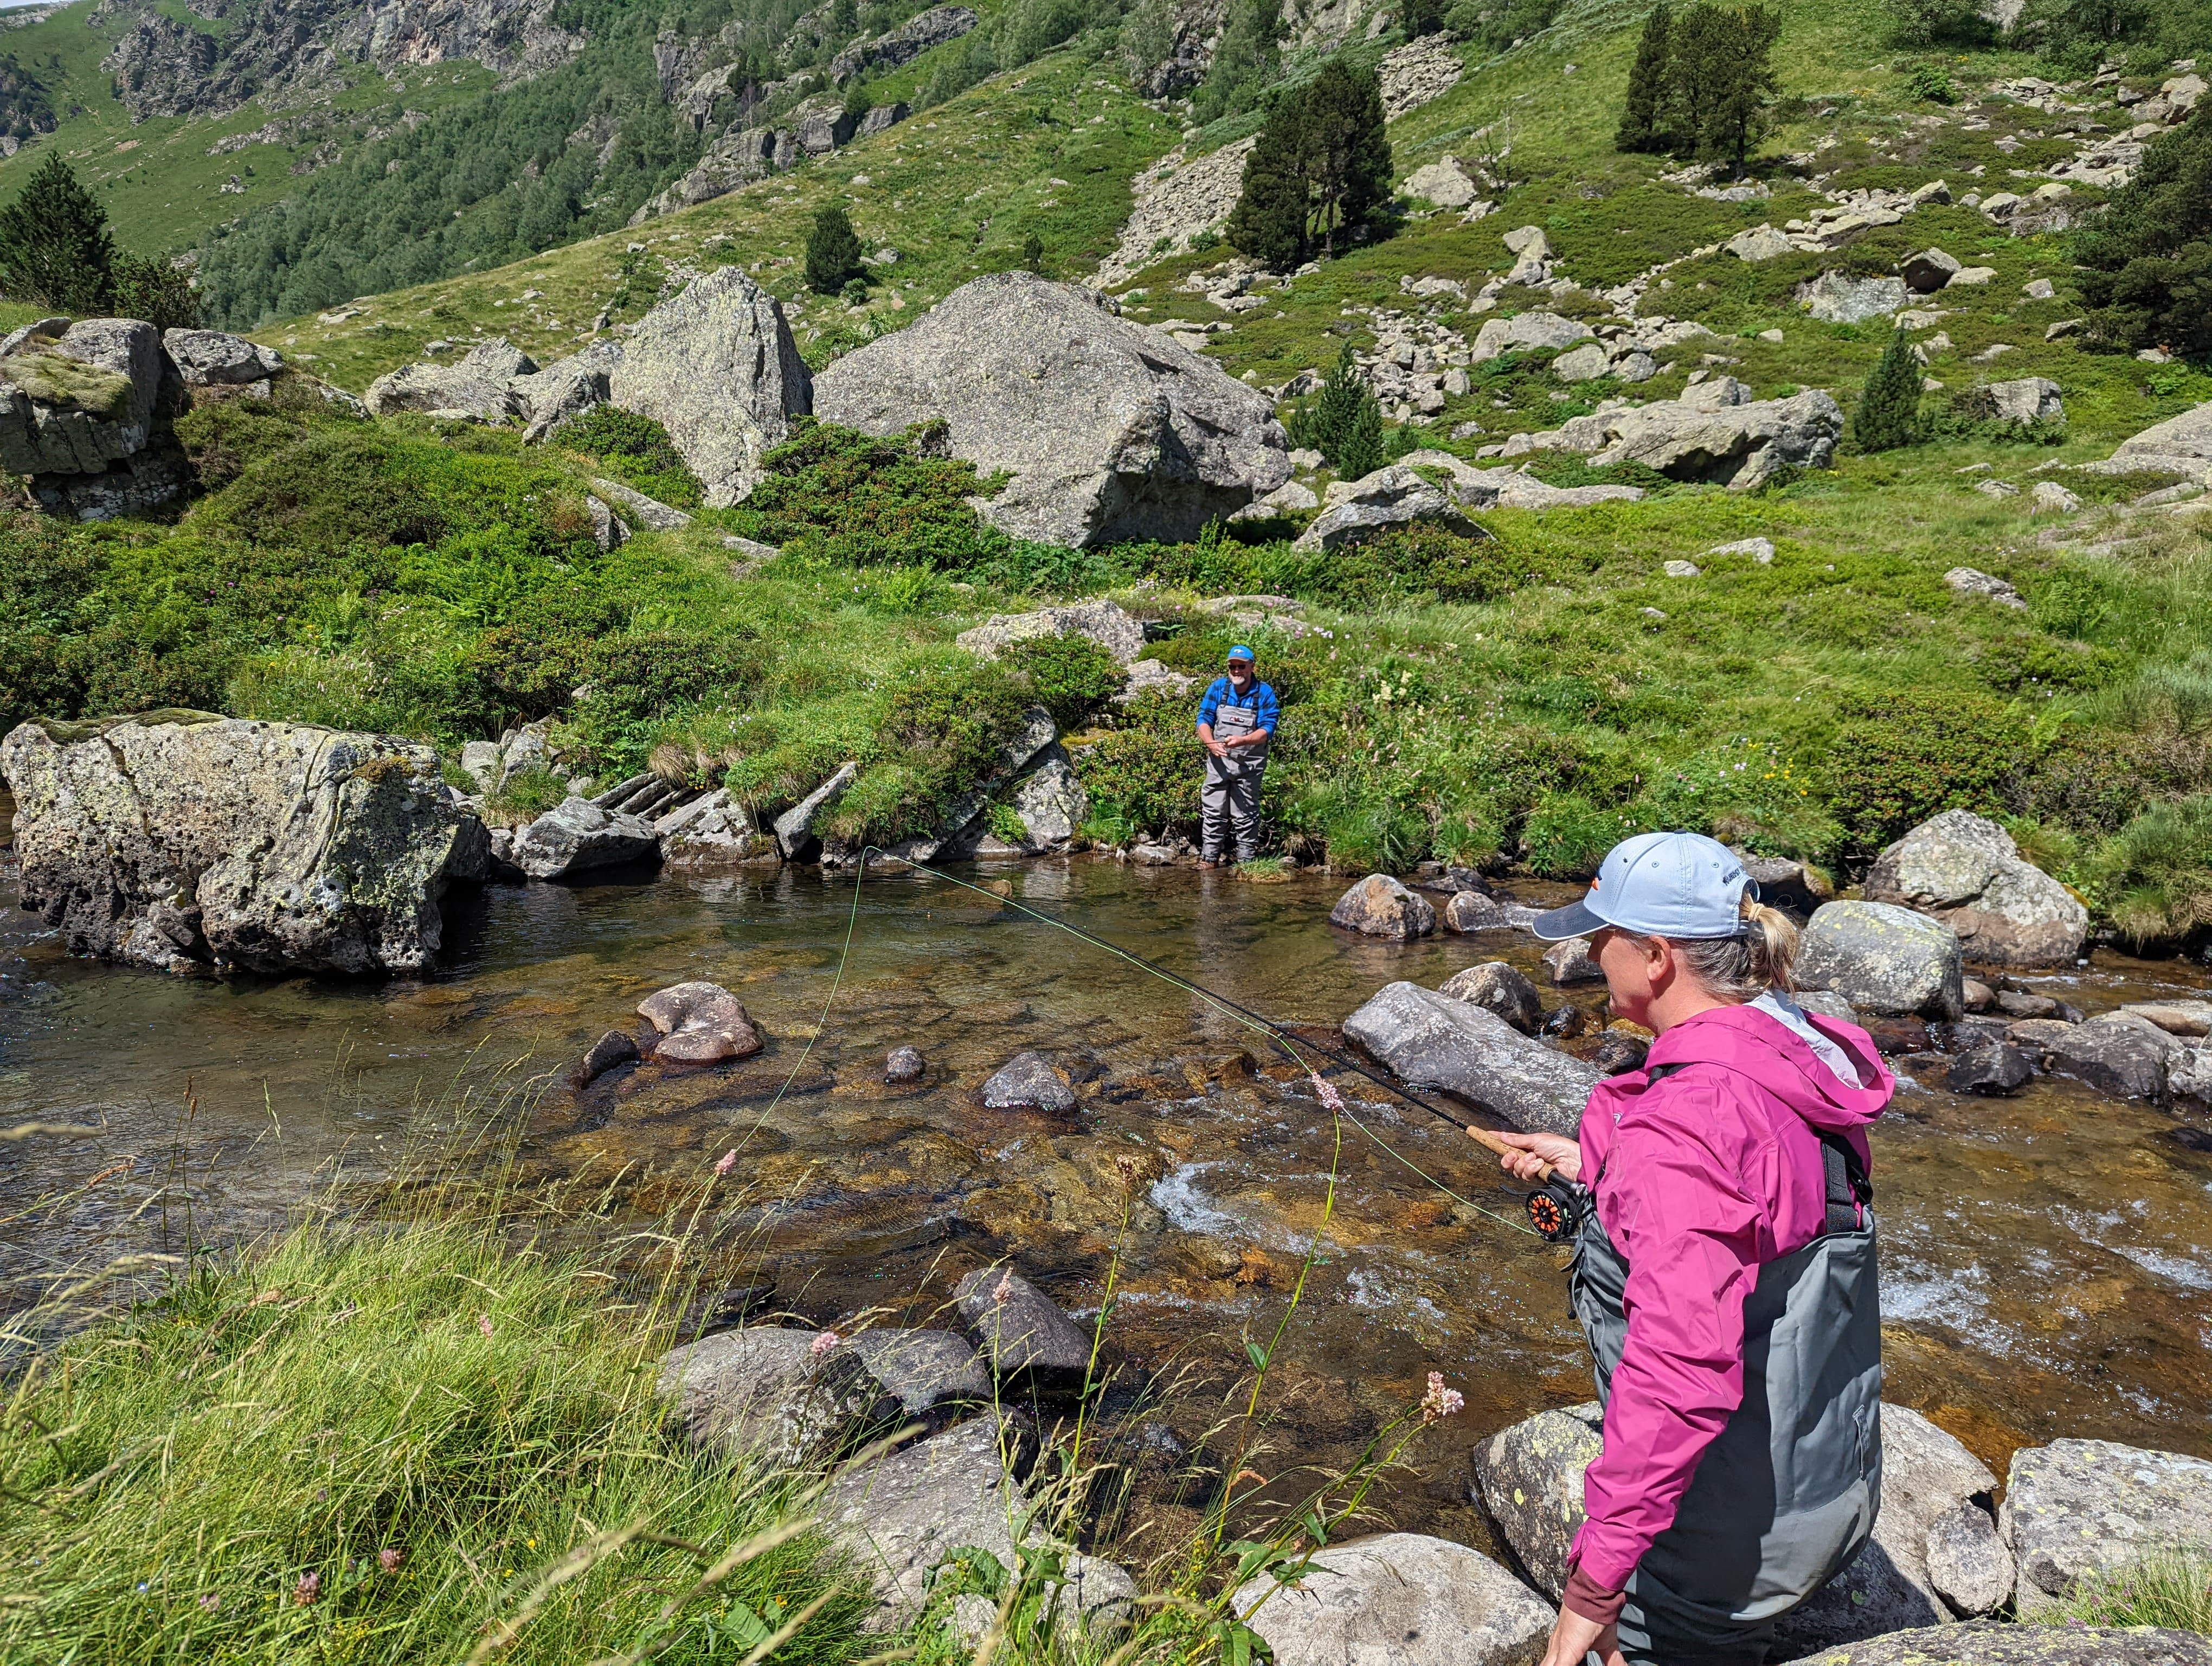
column 2047, row 1264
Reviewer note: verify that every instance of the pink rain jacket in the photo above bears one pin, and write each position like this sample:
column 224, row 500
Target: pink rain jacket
column 1706, row 1175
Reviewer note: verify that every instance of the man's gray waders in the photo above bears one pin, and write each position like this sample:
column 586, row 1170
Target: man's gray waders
column 1230, row 800
column 1786, row 1495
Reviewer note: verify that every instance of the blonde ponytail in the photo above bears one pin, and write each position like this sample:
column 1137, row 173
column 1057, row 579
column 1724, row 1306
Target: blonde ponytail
column 1742, row 968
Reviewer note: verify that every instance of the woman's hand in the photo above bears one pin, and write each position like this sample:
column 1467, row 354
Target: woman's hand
column 1533, row 1151
column 1575, row 1638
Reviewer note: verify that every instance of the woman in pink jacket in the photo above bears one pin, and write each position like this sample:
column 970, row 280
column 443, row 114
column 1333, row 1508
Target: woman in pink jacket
column 1723, row 1272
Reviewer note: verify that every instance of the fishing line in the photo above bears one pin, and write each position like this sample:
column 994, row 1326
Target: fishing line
column 1250, row 1020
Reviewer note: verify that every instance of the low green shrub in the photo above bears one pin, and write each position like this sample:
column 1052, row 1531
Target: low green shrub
column 1144, row 775
column 1071, row 677
column 1896, row 761
column 842, row 496
column 1566, row 836
column 2155, row 874
column 524, row 796
column 636, row 451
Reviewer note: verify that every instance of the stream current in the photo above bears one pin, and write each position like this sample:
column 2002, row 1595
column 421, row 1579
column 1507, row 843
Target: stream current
column 2046, row 1260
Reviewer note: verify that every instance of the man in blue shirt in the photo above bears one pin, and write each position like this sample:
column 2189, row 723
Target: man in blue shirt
column 1235, row 722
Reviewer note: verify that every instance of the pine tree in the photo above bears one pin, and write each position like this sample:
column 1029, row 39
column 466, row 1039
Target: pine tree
column 1743, row 87
column 1647, row 87
column 833, row 252
column 2146, row 262
column 1347, row 150
column 1346, row 423
column 1363, row 449
column 54, row 246
column 1269, row 221
column 1889, row 409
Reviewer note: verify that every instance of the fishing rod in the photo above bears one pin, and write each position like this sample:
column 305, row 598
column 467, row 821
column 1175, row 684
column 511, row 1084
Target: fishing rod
column 1554, row 1209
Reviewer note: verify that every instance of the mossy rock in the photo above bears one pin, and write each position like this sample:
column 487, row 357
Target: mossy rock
column 53, row 379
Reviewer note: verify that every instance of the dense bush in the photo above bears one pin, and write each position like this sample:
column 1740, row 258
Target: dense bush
column 838, row 494
column 2147, row 260
column 2155, row 875
column 1071, row 677
column 636, row 451
column 1144, row 775
column 1899, row 761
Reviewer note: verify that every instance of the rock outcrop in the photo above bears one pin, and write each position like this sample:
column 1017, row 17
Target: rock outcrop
column 2081, row 1507
column 1398, row 1597
column 576, row 835
column 909, row 41
column 1392, row 497
column 1110, row 431
column 1884, row 959
column 475, row 387
column 2180, row 445
column 184, row 841
column 85, row 410
column 1741, row 445
column 213, row 364
column 717, row 367
column 1968, row 873
column 1105, row 622
column 1432, row 1041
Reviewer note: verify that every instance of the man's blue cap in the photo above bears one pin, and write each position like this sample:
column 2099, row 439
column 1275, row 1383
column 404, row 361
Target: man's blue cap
column 1677, row 886
column 1241, row 652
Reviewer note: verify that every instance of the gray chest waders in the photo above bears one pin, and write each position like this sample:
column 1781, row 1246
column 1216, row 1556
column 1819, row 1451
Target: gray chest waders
column 1232, row 723
column 1786, row 1495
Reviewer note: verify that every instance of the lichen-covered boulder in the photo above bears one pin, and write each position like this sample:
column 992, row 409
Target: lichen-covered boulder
column 2080, row 1507
column 717, row 367
column 1398, row 1597
column 1967, row 871
column 475, row 386
column 1111, row 432
column 576, row 835
column 1530, row 1479
column 1884, row 959
column 215, row 362
column 187, row 841
column 1392, row 497
column 1995, row 1643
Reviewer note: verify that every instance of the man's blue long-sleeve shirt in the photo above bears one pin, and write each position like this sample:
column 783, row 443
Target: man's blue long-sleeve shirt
column 1265, row 708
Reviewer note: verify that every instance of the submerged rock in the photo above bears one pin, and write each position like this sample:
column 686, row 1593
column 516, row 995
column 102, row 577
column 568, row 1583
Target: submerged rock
column 700, row 1024
column 1028, row 1081
column 1022, row 1336
column 616, row 1047
column 576, row 835
column 182, row 841
column 1431, row 1040
column 1477, row 911
column 1502, row 989
column 1379, row 906
column 1884, row 959
column 1967, row 871
column 904, row 1065
column 1398, row 1597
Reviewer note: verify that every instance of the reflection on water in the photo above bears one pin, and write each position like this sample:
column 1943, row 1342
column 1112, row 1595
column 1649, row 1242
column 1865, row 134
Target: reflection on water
column 2047, row 1265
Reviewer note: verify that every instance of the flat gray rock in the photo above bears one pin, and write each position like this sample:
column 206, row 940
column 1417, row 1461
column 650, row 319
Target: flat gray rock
column 2078, row 1507
column 1993, row 1643
column 1966, row 870
column 1399, row 1599
column 1739, row 446
column 1502, row 989
column 1379, row 906
column 1120, row 633
column 576, row 835
column 1431, row 1040
column 928, row 1374
column 215, row 358
column 474, row 386
column 1022, row 1336
column 752, row 1391
column 1884, row 959
column 794, row 828
column 2114, row 1055
column 1028, row 1081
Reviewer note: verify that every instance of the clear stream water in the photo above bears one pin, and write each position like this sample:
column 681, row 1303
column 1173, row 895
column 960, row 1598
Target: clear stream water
column 2047, row 1265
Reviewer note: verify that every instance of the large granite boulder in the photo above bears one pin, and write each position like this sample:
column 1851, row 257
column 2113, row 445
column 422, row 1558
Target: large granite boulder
column 1051, row 802
column 213, row 364
column 1379, row 906
column 1529, row 1478
column 475, row 386
column 1743, row 446
column 1105, row 622
column 85, row 410
column 567, row 387
column 1995, row 1643
column 1431, row 1040
column 2181, row 445
column 186, row 840
column 1838, row 298
column 1524, row 331
column 1109, row 430
column 576, row 835
column 2027, row 400
column 1884, row 959
column 2076, row 1508
column 1967, row 871
column 1398, row 1597
column 717, row 367
column 1392, row 497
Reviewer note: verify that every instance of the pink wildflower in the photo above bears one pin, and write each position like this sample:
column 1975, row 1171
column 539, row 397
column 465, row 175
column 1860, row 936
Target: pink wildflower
column 1006, row 1288
column 309, row 1588
column 822, row 1344
column 725, row 1162
column 1440, row 1402
column 483, row 1324
column 1330, row 1099
column 211, row 1602
column 390, row 1557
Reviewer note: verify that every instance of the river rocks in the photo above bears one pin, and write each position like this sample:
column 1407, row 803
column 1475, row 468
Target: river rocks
column 1022, row 1336
column 717, row 367
column 1500, row 988
column 1968, row 1564
column 1743, row 446
column 1479, row 911
column 794, row 828
column 904, row 1065
column 1379, row 906
column 1569, row 962
column 1110, row 431
column 1619, row 1051
column 1393, row 496
column 616, row 1047
column 1530, row 1478
column 1524, row 331
column 1431, row 1040
column 699, row 1023
column 926, row 1375
column 712, row 828
column 1927, row 271
column 1832, row 298
column 1398, row 1597
column 2027, row 400
column 1104, row 623
column 1967, row 871
column 1993, row 1643
column 1027, row 1082
column 184, row 841
column 1998, row 1067
column 1051, row 803
column 2078, row 1507
column 2114, row 1055
column 1884, row 959
column 214, row 362
column 751, row 1392
column 1791, row 886
column 577, row 835
column 475, row 387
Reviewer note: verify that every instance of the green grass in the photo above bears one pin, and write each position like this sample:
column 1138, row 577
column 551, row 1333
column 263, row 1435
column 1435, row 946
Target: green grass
column 2171, row 1588
column 387, row 1445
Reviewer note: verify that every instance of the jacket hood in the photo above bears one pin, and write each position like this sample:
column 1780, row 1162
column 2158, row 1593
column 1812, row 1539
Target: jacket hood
column 1765, row 1049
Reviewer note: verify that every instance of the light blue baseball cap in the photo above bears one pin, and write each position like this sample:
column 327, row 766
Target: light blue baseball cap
column 1241, row 652
column 1678, row 886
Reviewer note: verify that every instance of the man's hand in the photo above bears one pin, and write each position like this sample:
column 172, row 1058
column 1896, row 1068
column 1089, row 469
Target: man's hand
column 1533, row 1151
column 1219, row 748
column 1575, row 1638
